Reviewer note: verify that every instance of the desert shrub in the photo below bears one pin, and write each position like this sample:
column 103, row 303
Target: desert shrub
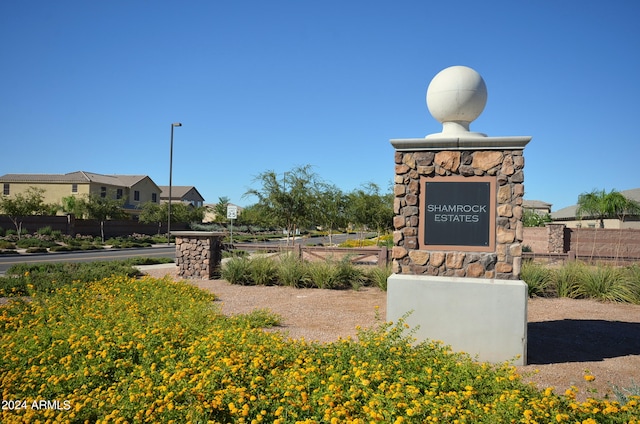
column 293, row 272
column 626, row 394
column 263, row 271
column 45, row 231
column 36, row 250
column 604, row 282
column 378, row 276
column 321, row 274
column 27, row 242
column 67, row 248
column 632, row 274
column 538, row 278
column 565, row 279
column 347, row 275
column 5, row 244
column 236, row 271
column 232, row 253
column 24, row 279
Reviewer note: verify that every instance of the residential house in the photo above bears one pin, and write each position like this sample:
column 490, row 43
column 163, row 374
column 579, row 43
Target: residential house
column 568, row 216
column 184, row 194
column 538, row 206
column 135, row 189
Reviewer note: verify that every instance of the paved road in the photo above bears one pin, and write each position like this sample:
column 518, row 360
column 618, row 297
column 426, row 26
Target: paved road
column 87, row 256
column 119, row 254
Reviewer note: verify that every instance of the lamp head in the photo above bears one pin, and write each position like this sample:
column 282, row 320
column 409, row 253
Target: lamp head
column 176, row 124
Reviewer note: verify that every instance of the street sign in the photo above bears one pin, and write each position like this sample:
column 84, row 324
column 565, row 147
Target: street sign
column 232, row 212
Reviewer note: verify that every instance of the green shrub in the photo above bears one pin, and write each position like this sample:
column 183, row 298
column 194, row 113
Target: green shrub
column 293, row 272
column 378, row 276
column 236, row 271
column 45, row 278
column 566, row 278
column 626, row 394
column 60, row 248
column 27, row 242
column 538, row 278
column 605, row 282
column 321, row 274
column 263, row 271
column 5, row 244
column 45, row 231
column 36, row 250
column 347, row 275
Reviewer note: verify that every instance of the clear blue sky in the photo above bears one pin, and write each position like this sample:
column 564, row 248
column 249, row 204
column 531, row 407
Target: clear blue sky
column 269, row 85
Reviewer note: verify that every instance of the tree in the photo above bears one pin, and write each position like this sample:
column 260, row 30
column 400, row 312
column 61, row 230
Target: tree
column 102, row 208
column 331, row 209
column 220, row 209
column 185, row 213
column 22, row 205
column 73, row 205
column 153, row 213
column 601, row 205
column 369, row 209
column 180, row 213
column 287, row 203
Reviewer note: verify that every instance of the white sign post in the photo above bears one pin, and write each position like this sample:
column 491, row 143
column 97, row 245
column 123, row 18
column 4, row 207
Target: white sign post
column 232, row 213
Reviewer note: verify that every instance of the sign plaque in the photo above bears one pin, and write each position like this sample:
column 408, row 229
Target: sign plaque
column 232, row 212
column 458, row 213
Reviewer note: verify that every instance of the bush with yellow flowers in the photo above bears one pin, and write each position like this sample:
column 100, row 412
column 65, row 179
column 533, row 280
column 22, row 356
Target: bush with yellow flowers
column 152, row 350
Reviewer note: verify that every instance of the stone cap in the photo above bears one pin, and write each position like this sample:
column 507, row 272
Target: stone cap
column 198, row 233
column 461, row 143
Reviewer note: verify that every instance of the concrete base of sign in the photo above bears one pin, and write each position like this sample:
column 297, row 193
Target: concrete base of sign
column 486, row 318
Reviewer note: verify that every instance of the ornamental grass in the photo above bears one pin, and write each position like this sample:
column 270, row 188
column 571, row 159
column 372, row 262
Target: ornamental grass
column 152, row 350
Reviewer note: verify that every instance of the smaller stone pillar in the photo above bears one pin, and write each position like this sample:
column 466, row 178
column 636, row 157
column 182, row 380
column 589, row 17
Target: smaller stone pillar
column 198, row 254
column 555, row 235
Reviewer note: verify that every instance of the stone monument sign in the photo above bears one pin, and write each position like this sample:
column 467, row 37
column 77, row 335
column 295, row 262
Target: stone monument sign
column 458, row 227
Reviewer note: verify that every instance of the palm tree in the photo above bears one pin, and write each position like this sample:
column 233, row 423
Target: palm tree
column 601, row 205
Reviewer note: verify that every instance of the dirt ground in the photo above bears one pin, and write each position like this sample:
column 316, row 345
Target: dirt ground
column 567, row 338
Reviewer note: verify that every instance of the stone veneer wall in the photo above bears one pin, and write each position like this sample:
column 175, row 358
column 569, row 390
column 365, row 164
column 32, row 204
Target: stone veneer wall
column 198, row 256
column 506, row 165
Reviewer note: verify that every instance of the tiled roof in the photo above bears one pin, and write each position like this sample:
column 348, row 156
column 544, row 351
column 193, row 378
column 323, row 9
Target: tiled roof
column 536, row 204
column 74, row 177
column 178, row 192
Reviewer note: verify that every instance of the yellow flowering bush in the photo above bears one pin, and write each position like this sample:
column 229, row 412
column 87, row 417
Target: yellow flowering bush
column 153, row 350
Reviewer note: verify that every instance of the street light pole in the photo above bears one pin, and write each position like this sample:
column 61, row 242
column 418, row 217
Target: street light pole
column 175, row 124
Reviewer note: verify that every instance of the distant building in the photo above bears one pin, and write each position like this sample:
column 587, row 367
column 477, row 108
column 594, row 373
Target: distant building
column 568, row 216
column 184, row 194
column 538, row 206
column 134, row 189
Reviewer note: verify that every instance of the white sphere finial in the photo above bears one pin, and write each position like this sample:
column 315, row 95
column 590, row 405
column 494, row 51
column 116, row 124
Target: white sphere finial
column 456, row 96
